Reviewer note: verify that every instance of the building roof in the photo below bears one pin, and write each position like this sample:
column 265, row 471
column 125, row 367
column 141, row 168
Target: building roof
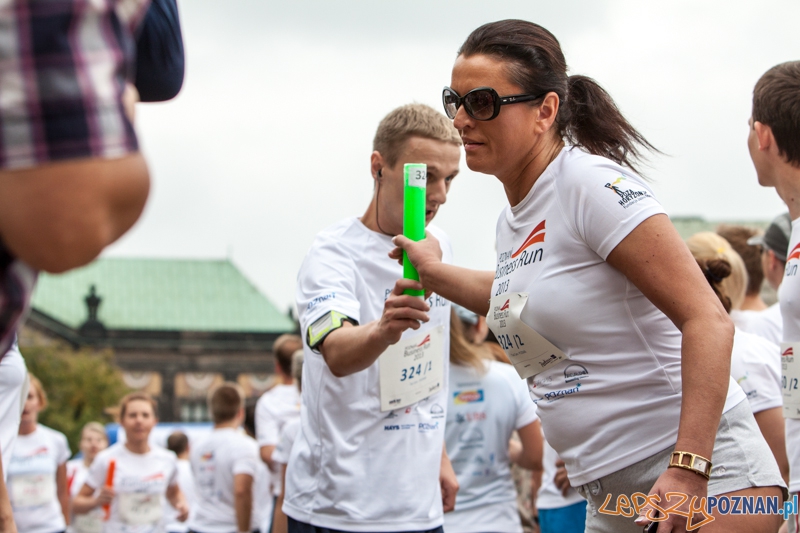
column 161, row 294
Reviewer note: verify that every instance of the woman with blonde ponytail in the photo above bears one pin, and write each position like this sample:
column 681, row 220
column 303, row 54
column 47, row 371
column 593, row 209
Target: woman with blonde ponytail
column 594, row 295
column 487, row 403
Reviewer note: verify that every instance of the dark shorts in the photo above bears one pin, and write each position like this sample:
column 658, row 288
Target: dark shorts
column 301, row 527
column 16, row 287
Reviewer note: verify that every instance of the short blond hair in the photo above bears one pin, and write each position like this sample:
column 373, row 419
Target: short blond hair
column 411, row 120
column 706, row 246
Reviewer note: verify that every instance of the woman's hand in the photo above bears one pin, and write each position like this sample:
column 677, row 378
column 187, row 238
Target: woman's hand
column 422, row 254
column 675, row 511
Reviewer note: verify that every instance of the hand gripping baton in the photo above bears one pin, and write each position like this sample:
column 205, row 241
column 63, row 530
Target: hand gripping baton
column 416, row 181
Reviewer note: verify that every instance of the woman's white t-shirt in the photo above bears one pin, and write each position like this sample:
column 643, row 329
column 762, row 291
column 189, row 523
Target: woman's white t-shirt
column 354, row 467
column 91, row 522
column 32, row 480
column 483, row 411
column 617, row 399
column 789, row 300
column 756, row 367
column 141, row 481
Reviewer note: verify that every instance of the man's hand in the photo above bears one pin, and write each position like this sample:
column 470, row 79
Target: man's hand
column 449, row 483
column 561, row 478
column 183, row 511
column 401, row 312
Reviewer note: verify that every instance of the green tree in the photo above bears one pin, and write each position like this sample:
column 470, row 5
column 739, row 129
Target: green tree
column 80, row 385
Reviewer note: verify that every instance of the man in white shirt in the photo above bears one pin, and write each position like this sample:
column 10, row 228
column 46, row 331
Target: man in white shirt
column 224, row 465
column 281, row 403
column 774, row 144
column 370, row 453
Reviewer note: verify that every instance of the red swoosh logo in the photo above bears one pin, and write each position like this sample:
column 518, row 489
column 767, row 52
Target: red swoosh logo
column 425, row 341
column 505, row 305
column 789, row 351
column 533, row 238
column 794, row 254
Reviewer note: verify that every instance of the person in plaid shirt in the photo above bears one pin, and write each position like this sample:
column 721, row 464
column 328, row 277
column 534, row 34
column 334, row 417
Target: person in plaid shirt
column 72, row 179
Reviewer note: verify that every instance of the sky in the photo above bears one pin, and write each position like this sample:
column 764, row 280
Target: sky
column 269, row 141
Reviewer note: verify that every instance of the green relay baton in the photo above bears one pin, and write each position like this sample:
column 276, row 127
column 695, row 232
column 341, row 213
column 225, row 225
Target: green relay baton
column 416, row 181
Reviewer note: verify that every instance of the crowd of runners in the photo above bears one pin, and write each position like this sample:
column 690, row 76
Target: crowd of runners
column 612, row 371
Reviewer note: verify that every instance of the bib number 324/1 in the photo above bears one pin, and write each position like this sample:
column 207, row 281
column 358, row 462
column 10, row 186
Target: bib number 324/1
column 412, row 369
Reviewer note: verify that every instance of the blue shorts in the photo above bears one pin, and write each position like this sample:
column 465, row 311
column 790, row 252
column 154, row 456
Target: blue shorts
column 569, row 519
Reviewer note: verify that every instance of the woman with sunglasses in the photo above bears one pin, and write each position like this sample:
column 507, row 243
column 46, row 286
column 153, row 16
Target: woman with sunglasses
column 595, row 297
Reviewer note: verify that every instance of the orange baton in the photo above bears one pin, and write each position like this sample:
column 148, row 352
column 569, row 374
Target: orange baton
column 110, row 484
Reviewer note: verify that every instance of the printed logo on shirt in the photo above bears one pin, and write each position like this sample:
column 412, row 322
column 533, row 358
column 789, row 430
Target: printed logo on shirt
column 508, row 262
column 467, row 396
column 38, row 451
column 151, row 483
column 550, row 397
column 319, row 299
column 427, row 426
column 536, row 381
column 575, row 372
column 207, row 456
column 437, row 411
column 472, row 416
column 791, row 268
column 628, row 197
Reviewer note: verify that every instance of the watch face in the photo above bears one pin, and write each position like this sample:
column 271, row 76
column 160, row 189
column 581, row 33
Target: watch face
column 700, row 464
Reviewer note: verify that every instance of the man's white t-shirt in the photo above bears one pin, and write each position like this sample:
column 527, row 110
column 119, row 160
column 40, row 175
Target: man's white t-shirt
column 756, row 367
column 186, row 484
column 13, row 392
column 789, row 300
column 353, row 467
column 274, row 409
column 617, row 400
column 483, row 411
column 215, row 460
column 91, row 522
column 549, row 495
column 32, row 480
column 141, row 481
column 767, row 323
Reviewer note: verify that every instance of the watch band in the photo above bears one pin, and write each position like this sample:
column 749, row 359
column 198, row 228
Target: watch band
column 696, row 463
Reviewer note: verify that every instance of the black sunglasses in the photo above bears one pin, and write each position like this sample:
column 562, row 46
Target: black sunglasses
column 482, row 103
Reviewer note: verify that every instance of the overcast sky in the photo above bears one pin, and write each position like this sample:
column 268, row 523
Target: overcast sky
column 269, row 141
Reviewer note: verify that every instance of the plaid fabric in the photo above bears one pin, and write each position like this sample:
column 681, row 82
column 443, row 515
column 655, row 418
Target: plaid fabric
column 16, row 287
column 63, row 68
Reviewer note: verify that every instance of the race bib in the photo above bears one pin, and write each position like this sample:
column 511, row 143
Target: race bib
column 140, row 508
column 412, row 369
column 91, row 522
column 33, row 490
column 529, row 352
column 790, row 378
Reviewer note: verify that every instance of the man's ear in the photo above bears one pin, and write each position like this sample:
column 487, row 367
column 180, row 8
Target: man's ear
column 764, row 136
column 376, row 163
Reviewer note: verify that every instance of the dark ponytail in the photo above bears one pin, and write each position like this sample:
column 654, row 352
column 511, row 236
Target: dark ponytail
column 587, row 116
column 715, row 270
